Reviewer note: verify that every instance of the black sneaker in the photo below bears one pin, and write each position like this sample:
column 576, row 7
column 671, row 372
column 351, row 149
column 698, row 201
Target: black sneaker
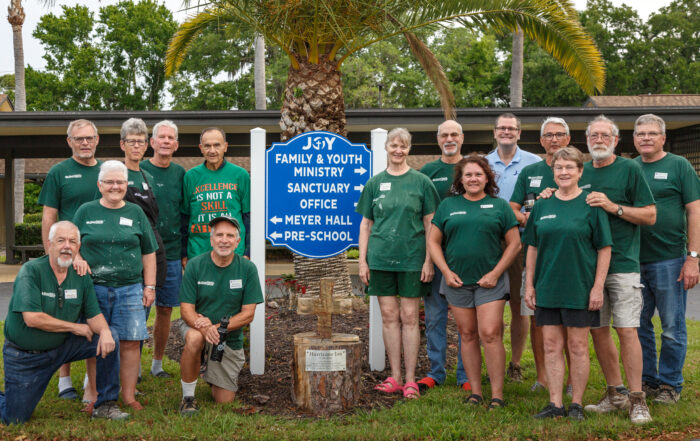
column 551, row 411
column 576, row 412
column 188, row 406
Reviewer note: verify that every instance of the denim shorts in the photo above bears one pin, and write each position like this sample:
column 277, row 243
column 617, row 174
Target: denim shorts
column 123, row 309
column 471, row 296
column 168, row 294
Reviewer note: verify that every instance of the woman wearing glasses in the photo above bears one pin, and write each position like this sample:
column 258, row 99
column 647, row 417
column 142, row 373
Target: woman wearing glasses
column 567, row 262
column 119, row 246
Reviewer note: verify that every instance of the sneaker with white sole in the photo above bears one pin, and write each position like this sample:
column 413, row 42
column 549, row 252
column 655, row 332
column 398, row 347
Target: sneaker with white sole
column 110, row 411
column 667, row 395
column 613, row 399
column 188, row 406
column 537, row 386
column 639, row 412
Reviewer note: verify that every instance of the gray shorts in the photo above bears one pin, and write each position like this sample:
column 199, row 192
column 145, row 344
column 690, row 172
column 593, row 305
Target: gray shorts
column 622, row 301
column 524, row 310
column 471, row 296
column 223, row 374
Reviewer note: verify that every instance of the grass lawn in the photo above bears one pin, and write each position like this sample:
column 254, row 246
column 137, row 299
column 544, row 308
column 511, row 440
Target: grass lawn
column 440, row 414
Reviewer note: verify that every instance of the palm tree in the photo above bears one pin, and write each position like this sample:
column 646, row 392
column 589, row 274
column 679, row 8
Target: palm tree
column 15, row 15
column 318, row 35
column 516, row 69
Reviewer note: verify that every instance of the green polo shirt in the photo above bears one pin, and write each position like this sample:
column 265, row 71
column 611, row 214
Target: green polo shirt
column 37, row 290
column 68, row 185
column 217, row 292
column 167, row 186
column 533, row 179
column 442, row 176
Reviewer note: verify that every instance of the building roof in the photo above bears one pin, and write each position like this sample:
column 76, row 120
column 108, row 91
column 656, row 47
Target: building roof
column 5, row 103
column 650, row 100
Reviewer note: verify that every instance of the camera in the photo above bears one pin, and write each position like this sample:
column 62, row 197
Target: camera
column 217, row 352
column 529, row 202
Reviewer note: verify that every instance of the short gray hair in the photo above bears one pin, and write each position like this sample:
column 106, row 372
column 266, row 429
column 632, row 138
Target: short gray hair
column 603, row 118
column 461, row 130
column 569, row 154
column 111, row 166
column 133, row 126
column 78, row 123
column 650, row 118
column 401, row 133
column 554, row 120
column 59, row 224
column 165, row 123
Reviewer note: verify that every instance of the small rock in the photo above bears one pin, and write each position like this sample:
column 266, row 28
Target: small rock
column 261, row 399
column 272, row 304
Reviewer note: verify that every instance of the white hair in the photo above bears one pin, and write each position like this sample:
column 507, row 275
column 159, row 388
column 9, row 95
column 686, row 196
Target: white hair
column 164, row 123
column 554, row 120
column 603, row 118
column 59, row 224
column 113, row 166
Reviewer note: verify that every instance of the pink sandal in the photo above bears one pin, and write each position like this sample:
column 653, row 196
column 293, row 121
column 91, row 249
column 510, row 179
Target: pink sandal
column 389, row 386
column 411, row 391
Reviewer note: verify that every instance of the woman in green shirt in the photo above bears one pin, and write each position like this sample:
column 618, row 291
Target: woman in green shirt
column 567, row 262
column 397, row 206
column 465, row 243
column 119, row 246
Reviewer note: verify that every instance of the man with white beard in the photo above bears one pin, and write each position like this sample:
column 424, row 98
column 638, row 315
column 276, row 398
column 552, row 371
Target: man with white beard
column 42, row 331
column 617, row 185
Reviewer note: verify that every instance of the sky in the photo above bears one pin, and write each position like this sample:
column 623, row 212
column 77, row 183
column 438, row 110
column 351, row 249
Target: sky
column 34, row 9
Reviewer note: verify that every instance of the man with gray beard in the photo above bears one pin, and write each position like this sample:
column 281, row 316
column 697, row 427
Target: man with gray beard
column 617, row 185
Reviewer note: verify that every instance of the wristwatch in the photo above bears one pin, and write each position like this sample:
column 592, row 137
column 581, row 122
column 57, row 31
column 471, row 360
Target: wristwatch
column 619, row 211
column 693, row 254
column 149, row 287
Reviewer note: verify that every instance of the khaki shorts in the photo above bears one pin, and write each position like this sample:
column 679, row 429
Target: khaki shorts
column 622, row 301
column 223, row 374
column 524, row 310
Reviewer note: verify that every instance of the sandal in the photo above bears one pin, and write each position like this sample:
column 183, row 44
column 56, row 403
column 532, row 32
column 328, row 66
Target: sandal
column 135, row 405
column 411, row 391
column 89, row 407
column 474, row 399
column 389, row 386
column 496, row 403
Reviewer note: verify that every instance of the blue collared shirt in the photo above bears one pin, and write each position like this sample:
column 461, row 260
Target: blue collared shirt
column 507, row 175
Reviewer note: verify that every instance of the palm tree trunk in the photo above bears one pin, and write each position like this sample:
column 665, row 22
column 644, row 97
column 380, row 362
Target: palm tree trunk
column 259, row 73
column 516, row 71
column 313, row 100
column 16, row 18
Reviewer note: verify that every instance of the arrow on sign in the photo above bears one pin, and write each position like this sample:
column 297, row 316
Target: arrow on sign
column 276, row 235
column 275, row 220
column 361, row 170
column 359, row 187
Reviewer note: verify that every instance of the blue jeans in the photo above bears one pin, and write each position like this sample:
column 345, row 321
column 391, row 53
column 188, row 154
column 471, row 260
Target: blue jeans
column 28, row 374
column 662, row 292
column 436, row 334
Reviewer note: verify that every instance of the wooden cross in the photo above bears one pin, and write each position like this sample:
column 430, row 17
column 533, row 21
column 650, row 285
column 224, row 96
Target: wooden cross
column 324, row 306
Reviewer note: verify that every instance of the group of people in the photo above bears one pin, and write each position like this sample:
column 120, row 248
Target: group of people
column 609, row 241
column 117, row 237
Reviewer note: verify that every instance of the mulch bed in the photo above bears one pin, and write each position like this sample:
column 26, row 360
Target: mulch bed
column 270, row 393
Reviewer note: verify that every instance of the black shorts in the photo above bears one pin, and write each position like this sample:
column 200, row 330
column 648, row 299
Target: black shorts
column 571, row 318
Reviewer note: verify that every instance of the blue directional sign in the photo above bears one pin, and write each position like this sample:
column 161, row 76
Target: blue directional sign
column 313, row 183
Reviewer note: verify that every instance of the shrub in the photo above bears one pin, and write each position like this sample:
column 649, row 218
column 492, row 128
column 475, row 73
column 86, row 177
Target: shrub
column 32, row 218
column 31, row 196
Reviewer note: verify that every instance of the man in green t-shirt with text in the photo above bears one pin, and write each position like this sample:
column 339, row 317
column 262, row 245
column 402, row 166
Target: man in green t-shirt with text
column 668, row 257
column 219, row 287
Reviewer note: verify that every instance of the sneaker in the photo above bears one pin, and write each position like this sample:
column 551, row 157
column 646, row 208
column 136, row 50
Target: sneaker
column 551, row 411
column 667, row 395
column 188, row 406
column 425, row 384
column 537, row 386
column 161, row 374
column 514, row 372
column 576, row 412
column 613, row 399
column 110, row 411
column 651, row 390
column 639, row 412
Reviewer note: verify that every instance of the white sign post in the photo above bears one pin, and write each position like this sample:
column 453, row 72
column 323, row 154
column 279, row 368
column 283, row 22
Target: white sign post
column 257, row 244
column 377, row 359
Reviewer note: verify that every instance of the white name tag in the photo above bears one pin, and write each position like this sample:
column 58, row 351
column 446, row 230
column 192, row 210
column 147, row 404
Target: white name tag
column 235, row 284
column 660, row 175
column 71, row 294
column 385, row 186
column 535, row 183
column 145, row 186
column 487, row 206
column 125, row 221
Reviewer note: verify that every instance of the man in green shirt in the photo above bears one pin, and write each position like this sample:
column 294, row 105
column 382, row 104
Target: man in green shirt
column 218, row 286
column 617, row 186
column 68, row 185
column 167, row 186
column 668, row 268
column 212, row 189
column 42, row 330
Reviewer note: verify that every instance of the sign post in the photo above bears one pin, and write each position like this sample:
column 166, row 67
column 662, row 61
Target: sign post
column 257, row 244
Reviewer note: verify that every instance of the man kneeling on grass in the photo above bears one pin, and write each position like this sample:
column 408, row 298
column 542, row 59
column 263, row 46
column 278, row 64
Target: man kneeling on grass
column 42, row 331
column 218, row 286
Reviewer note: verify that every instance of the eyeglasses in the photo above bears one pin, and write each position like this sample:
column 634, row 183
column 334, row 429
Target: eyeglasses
column 647, row 134
column 134, row 142
column 82, row 139
column 603, row 136
column 507, row 129
column 111, row 182
column 569, row 168
column 558, row 135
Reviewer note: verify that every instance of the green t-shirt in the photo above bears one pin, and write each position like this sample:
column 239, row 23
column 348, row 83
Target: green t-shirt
column 567, row 235
column 397, row 205
column 113, row 242
column 674, row 183
column 208, row 194
column 135, row 179
column 442, row 175
column 216, row 292
column 167, row 186
column 472, row 234
column 37, row 290
column 623, row 183
column 533, row 179
column 69, row 185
